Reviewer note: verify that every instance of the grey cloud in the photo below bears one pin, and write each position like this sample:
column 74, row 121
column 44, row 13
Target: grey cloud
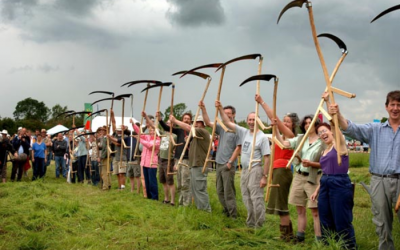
column 46, row 68
column 77, row 7
column 20, row 69
column 193, row 13
column 10, row 9
column 60, row 20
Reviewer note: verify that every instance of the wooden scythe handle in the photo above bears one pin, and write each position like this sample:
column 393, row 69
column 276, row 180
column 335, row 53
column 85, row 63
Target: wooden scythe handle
column 326, row 76
column 272, row 156
column 108, row 145
column 192, row 128
column 316, row 113
column 141, row 123
column 256, row 116
column 155, row 128
column 171, row 139
column 221, row 80
column 396, row 208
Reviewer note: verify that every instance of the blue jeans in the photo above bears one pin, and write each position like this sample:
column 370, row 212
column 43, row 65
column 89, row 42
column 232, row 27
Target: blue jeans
column 150, row 179
column 82, row 169
column 95, row 173
column 60, row 161
column 38, row 168
column 49, row 157
column 335, row 207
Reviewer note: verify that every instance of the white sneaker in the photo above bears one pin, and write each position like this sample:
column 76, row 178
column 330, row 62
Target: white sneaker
column 122, row 186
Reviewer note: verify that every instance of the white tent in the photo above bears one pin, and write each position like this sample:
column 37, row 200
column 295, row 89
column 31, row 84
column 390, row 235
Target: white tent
column 99, row 121
column 56, row 129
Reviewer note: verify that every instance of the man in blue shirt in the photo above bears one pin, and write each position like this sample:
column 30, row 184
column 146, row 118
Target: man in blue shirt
column 384, row 142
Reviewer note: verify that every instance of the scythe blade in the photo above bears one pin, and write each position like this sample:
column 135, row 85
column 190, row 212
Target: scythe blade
column 212, row 65
column 199, row 74
column 246, row 57
column 257, row 78
column 385, row 12
column 295, row 3
column 336, row 39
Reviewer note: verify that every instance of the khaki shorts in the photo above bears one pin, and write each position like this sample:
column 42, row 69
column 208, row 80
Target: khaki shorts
column 133, row 169
column 163, row 176
column 118, row 169
column 302, row 190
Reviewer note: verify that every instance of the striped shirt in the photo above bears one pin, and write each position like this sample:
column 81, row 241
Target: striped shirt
column 384, row 143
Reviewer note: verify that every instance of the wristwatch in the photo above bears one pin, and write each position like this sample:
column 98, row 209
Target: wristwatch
column 265, row 175
column 230, row 162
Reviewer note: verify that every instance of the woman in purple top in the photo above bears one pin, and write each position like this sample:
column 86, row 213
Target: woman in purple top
column 39, row 150
column 335, row 199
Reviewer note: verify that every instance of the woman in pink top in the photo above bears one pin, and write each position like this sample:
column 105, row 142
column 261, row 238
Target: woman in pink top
column 149, row 159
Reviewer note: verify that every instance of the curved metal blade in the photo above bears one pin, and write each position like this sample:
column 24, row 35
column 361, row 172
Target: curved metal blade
column 140, row 81
column 212, row 65
column 119, row 97
column 246, row 57
column 336, row 39
column 103, row 92
column 385, row 12
column 164, row 84
column 295, row 3
column 66, row 112
column 105, row 99
column 97, row 112
column 65, row 131
column 258, row 77
column 199, row 74
column 89, row 133
column 77, row 113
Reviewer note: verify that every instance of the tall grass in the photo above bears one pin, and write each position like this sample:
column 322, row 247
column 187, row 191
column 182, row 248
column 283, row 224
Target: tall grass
column 358, row 160
column 51, row 214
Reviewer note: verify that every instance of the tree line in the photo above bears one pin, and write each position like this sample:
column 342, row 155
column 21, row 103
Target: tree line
column 33, row 114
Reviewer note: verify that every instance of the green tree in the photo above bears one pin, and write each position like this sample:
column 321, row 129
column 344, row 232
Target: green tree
column 31, row 109
column 179, row 110
column 8, row 124
column 56, row 110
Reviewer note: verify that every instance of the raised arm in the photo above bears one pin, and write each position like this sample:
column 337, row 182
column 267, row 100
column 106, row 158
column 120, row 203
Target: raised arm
column 205, row 115
column 287, row 132
column 280, row 138
column 149, row 122
column 181, row 124
column 113, row 122
column 334, row 109
column 342, row 140
column 224, row 117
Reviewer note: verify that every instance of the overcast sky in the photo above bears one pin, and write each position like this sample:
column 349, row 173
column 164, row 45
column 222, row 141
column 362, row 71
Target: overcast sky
column 58, row 51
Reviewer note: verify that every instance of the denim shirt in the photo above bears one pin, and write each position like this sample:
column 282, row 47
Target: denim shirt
column 384, row 143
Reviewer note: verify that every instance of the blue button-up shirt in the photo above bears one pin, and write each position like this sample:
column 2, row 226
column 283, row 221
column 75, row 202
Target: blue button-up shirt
column 384, row 143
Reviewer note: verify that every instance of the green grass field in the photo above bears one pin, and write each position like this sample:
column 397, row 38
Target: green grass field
column 53, row 214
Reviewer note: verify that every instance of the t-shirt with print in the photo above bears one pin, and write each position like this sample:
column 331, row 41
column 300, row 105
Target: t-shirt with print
column 198, row 148
column 261, row 148
column 164, row 145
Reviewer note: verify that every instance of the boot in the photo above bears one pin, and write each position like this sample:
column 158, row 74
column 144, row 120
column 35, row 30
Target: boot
column 285, row 233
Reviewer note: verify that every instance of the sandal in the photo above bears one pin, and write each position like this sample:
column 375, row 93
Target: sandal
column 172, row 204
column 166, row 202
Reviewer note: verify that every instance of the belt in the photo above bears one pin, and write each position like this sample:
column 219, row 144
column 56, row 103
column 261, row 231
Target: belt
column 394, row 176
column 306, row 173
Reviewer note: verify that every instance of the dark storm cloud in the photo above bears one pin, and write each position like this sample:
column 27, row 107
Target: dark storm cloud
column 61, row 20
column 11, row 9
column 193, row 13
